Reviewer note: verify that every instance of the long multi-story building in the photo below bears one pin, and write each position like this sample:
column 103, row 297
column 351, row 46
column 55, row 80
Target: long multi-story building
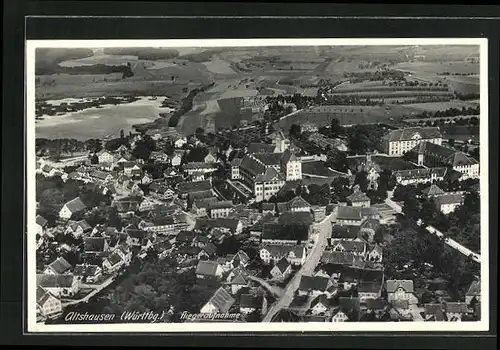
column 266, row 173
column 431, row 155
column 398, row 142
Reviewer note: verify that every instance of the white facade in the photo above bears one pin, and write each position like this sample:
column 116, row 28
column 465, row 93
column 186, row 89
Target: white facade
column 106, row 157
column 265, row 190
column 448, row 208
column 293, row 170
column 51, row 307
column 400, row 147
column 65, row 213
column 470, row 171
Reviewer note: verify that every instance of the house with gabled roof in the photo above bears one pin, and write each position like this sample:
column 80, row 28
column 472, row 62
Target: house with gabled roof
column 359, row 199
column 294, row 254
column 78, row 229
column 47, row 305
column 455, row 311
column 295, row 204
column 400, row 141
column 369, row 290
column 59, row 266
column 58, row 285
column 375, row 254
column 208, row 251
column 449, row 202
column 221, row 301
column 95, row 245
column 401, row 290
column 473, row 293
column 320, row 305
column 347, row 310
column 281, row 270
column 41, row 225
column 348, row 246
column 250, row 303
column 434, row 312
column 87, row 273
column 112, row 263
column 105, row 156
column 72, row 207
column 238, row 281
column 432, row 190
column 310, row 285
column 207, row 269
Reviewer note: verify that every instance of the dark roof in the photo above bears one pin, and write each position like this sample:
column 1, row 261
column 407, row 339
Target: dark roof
column 85, row 270
column 313, row 283
column 348, row 304
column 135, row 233
column 285, row 315
column 393, row 285
column 220, row 205
column 267, row 206
column 195, row 186
column 54, row 281
column 40, row 220
column 432, row 190
column 474, row 289
column 345, row 231
column 207, row 268
column 229, row 223
column 268, row 158
column 222, row 300
column 375, row 304
column 320, row 299
column 123, row 206
column 349, row 245
column 199, row 165
column 259, row 147
column 75, row 205
column 453, row 307
column 251, row 301
column 407, row 134
column 445, row 155
column 358, row 196
column 294, row 203
column 282, row 265
column 60, row 265
column 42, row 295
column 369, row 287
column 239, row 278
column 269, row 174
column 185, row 236
column 434, row 312
column 279, row 250
column 337, row 258
column 114, row 258
column 292, row 232
column 192, row 196
column 449, row 198
column 420, row 173
column 94, row 244
column 210, row 249
column 348, row 213
column 252, row 165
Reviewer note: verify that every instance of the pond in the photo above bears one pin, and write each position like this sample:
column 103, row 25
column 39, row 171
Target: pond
column 100, row 122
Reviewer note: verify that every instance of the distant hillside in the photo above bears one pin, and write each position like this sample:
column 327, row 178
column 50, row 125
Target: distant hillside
column 143, row 53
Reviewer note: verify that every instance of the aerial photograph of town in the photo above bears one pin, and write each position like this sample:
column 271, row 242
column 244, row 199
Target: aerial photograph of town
column 257, row 184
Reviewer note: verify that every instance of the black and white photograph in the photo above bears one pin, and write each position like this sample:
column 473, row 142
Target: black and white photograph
column 254, row 185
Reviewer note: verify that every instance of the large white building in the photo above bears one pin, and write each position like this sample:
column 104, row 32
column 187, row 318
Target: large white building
column 266, row 173
column 400, row 141
column 430, row 154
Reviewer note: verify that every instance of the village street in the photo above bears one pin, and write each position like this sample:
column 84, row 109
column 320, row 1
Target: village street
column 324, row 229
column 97, row 289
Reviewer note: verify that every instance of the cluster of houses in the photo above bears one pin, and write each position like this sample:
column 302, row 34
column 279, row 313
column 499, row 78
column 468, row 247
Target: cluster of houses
column 182, row 215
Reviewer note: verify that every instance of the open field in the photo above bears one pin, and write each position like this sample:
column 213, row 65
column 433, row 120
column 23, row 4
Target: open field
column 460, row 132
column 441, row 106
column 348, row 115
column 264, row 71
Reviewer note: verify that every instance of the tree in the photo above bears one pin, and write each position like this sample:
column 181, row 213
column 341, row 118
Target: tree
column 144, row 147
column 362, row 180
column 340, row 189
column 337, row 160
column 451, row 142
column 335, row 128
column 122, row 134
column 200, row 133
column 295, row 130
column 197, row 154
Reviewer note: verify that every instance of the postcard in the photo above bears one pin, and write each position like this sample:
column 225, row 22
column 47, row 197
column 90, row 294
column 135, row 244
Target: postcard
column 257, row 185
